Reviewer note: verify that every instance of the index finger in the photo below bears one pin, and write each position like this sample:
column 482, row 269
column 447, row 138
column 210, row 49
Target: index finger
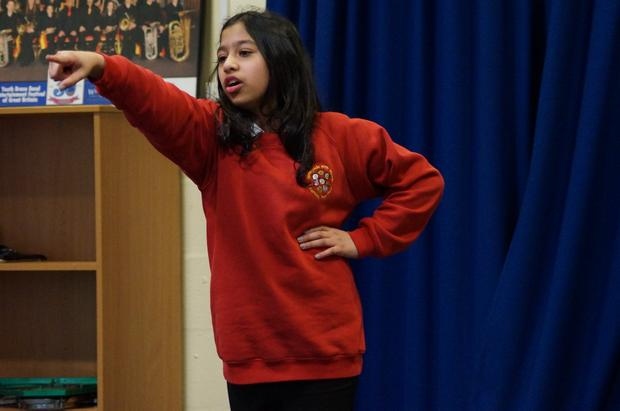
column 54, row 70
column 314, row 229
column 58, row 57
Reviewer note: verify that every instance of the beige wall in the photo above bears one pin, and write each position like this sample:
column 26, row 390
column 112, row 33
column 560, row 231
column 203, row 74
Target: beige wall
column 205, row 388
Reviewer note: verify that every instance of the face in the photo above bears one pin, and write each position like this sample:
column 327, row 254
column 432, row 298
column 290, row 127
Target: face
column 242, row 69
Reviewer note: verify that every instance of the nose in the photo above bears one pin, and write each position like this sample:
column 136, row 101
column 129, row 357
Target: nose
column 230, row 64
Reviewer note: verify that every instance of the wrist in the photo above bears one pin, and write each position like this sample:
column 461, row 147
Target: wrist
column 97, row 70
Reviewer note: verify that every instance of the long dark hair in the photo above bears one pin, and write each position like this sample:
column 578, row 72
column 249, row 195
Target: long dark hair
column 291, row 92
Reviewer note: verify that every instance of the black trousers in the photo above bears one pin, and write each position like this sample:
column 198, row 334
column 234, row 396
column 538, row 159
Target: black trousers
column 313, row 395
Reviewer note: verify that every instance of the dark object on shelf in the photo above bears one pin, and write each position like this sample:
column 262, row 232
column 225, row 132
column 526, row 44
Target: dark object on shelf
column 6, row 401
column 9, row 255
column 64, row 403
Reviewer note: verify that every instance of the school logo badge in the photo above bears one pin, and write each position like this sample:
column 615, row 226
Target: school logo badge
column 70, row 95
column 320, row 180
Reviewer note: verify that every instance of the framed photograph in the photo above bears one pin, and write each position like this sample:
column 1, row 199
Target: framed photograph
column 161, row 35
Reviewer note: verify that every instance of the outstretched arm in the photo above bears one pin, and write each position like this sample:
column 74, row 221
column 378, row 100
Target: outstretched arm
column 69, row 67
column 180, row 126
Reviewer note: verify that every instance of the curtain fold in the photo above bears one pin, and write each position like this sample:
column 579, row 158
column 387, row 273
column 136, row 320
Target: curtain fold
column 510, row 298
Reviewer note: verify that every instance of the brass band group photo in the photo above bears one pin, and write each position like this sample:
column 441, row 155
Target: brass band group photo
column 136, row 29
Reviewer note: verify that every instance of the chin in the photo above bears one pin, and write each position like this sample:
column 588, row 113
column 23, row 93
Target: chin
column 247, row 107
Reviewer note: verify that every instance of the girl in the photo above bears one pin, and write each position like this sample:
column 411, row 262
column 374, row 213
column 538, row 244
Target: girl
column 278, row 178
column 47, row 25
column 28, row 36
column 127, row 13
column 109, row 25
column 89, row 30
column 68, row 22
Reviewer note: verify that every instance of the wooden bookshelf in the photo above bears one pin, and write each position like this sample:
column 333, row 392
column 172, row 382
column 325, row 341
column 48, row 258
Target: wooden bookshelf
column 84, row 188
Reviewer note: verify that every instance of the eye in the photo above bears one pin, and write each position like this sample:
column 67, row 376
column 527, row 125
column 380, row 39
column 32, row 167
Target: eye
column 221, row 59
column 245, row 53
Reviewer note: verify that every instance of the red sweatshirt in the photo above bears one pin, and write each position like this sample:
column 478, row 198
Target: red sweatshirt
column 278, row 313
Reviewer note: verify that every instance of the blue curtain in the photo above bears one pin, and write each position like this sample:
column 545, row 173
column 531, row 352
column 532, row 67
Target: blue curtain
column 510, row 300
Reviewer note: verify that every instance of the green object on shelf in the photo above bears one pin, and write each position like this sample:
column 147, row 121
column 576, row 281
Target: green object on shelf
column 47, row 387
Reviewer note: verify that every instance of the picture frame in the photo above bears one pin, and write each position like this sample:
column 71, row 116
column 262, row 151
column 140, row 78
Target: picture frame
column 161, row 35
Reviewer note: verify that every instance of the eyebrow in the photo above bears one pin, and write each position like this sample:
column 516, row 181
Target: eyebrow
column 237, row 44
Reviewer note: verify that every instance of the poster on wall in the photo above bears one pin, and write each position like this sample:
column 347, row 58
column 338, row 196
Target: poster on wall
column 161, row 35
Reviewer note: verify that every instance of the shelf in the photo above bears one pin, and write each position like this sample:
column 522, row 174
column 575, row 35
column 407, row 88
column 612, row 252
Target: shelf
column 78, row 409
column 82, row 187
column 57, row 109
column 50, row 266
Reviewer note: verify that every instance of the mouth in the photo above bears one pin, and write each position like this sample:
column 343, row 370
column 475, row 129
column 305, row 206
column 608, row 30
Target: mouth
column 232, row 85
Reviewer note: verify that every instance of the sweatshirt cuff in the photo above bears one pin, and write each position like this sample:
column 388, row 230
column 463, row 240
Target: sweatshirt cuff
column 362, row 241
column 111, row 72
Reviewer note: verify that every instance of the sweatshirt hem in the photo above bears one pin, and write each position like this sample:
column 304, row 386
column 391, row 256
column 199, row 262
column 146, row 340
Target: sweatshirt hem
column 261, row 371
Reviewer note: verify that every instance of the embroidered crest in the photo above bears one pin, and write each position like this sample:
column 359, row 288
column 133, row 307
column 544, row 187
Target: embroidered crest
column 320, row 180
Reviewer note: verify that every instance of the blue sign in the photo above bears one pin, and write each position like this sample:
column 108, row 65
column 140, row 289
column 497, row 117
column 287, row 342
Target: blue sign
column 41, row 93
column 32, row 93
column 92, row 96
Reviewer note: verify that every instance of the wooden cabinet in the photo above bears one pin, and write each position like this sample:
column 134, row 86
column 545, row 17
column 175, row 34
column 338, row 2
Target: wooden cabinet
column 84, row 188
